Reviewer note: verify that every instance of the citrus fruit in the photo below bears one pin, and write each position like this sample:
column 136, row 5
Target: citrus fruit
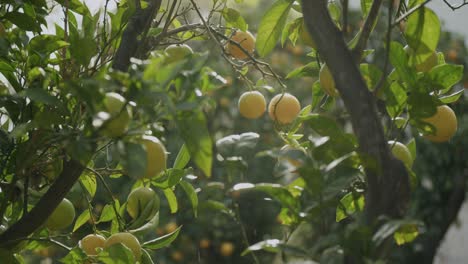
column 401, row 152
column 177, row 52
column 156, row 156
column 284, row 108
column 62, row 216
column 127, row 240
column 444, row 122
column 119, row 118
column 139, row 199
column 252, row 104
column 246, row 40
column 326, row 81
column 90, row 242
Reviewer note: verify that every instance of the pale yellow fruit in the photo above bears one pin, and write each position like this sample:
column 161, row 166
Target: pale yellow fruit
column 62, row 216
column 127, row 240
column 139, row 199
column 252, row 105
column 246, row 40
column 284, row 108
column 119, row 120
column 401, row 152
column 156, row 156
column 326, row 81
column 177, row 52
column 445, row 123
column 91, row 242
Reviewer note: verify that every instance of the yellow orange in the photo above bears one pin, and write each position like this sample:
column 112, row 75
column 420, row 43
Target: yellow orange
column 246, row 40
column 252, row 105
column 284, row 108
column 326, row 81
column 444, row 122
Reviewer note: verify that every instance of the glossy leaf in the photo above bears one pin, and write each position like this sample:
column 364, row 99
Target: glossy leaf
column 163, row 241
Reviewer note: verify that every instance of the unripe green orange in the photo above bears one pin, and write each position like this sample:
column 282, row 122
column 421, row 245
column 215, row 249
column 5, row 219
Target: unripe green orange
column 284, row 108
column 326, row 81
column 62, row 216
column 117, row 125
column 127, row 240
column 139, row 199
column 156, row 156
column 177, row 52
column 91, row 242
column 401, row 152
column 246, row 40
column 445, row 123
column 252, row 105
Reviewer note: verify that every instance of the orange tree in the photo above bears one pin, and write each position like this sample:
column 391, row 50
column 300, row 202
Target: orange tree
column 105, row 96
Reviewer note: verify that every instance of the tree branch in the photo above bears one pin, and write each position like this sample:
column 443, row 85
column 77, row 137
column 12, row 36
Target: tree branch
column 38, row 215
column 387, row 179
column 367, row 29
column 139, row 21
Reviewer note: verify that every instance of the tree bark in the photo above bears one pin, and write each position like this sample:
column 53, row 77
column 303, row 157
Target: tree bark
column 138, row 24
column 388, row 187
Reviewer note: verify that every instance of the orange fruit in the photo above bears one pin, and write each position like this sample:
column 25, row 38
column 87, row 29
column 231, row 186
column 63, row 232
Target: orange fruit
column 90, row 242
column 226, row 249
column 62, row 216
column 246, row 40
column 252, row 105
column 401, row 152
column 326, row 81
column 284, row 108
column 156, row 156
column 445, row 123
column 126, row 239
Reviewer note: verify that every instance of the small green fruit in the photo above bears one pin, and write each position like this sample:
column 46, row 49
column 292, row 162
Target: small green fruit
column 401, row 152
column 177, row 52
column 139, row 199
column 117, row 125
column 62, row 216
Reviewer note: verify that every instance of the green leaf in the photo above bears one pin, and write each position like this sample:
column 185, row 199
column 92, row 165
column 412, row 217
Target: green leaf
column 74, row 256
column 171, row 199
column 217, row 206
column 365, row 7
column 272, row 25
column 412, row 148
column 371, row 74
column 146, row 257
column 447, row 99
column 46, row 44
column 291, row 31
column 193, row 127
column 41, row 96
column 163, row 241
column 81, row 220
column 88, row 181
column 234, row 19
column 183, row 158
column 310, row 69
column 406, row 234
column 23, row 21
column 422, row 32
column 107, row 214
column 395, row 99
column 75, row 5
column 116, row 254
column 399, row 60
column 276, row 191
column 445, row 76
column 349, row 204
column 192, row 195
column 275, row 246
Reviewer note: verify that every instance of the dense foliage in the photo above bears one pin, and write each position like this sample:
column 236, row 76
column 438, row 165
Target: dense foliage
column 125, row 123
